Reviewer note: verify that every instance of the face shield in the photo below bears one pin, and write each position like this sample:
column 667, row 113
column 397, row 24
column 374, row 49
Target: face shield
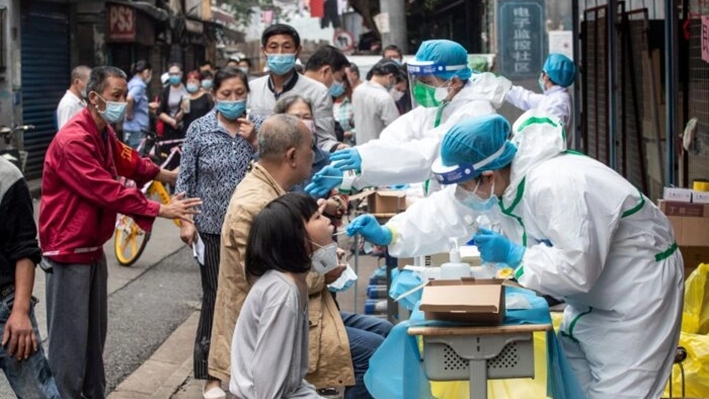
column 429, row 82
column 463, row 172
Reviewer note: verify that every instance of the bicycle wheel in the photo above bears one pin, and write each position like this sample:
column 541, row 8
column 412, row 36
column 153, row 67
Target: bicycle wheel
column 158, row 192
column 129, row 241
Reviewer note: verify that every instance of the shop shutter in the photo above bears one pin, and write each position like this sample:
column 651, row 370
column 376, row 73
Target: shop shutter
column 45, row 75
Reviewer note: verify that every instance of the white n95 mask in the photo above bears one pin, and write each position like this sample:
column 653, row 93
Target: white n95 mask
column 325, row 258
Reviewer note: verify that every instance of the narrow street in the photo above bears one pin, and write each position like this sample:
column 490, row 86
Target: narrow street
column 146, row 302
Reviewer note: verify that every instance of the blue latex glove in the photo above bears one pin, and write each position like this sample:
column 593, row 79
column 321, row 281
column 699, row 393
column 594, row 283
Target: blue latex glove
column 346, row 159
column 324, row 181
column 496, row 248
column 370, row 229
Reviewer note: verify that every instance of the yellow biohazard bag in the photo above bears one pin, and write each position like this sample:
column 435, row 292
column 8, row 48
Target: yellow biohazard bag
column 512, row 388
column 694, row 338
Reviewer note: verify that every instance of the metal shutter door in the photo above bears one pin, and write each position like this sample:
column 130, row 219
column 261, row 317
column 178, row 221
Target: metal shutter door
column 45, row 75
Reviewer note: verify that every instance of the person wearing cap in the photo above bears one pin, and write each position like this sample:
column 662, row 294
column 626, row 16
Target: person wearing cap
column 446, row 91
column 572, row 228
column 558, row 73
column 374, row 107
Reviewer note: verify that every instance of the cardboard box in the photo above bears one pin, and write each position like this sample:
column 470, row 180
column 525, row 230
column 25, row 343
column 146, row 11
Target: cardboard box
column 700, row 197
column 467, row 300
column 386, row 202
column 690, row 222
column 693, row 257
column 677, row 194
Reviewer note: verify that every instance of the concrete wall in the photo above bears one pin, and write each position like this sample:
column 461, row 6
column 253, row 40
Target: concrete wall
column 11, row 83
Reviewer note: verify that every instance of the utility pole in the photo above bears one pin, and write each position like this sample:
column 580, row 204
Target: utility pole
column 396, row 9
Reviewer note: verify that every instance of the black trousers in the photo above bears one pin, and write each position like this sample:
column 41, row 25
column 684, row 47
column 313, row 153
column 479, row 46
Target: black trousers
column 210, row 273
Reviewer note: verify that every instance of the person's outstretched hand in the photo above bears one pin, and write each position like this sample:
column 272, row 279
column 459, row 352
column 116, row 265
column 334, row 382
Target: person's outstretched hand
column 496, row 248
column 180, row 208
column 369, row 228
column 347, row 159
column 324, row 181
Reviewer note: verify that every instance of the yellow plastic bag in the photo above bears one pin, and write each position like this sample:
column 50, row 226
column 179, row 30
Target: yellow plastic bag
column 507, row 389
column 694, row 338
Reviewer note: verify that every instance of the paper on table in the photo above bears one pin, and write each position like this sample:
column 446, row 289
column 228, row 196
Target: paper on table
column 198, row 249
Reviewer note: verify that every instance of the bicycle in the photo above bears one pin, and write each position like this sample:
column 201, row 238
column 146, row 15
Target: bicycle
column 9, row 151
column 129, row 239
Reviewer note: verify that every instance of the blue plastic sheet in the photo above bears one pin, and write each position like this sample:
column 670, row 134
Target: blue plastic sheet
column 396, row 368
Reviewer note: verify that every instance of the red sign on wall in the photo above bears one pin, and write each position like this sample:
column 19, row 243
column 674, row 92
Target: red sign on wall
column 121, row 23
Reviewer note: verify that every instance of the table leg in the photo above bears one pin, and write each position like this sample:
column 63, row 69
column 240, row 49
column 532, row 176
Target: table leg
column 392, row 307
column 478, row 379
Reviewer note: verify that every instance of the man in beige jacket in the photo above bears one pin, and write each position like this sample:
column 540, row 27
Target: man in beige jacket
column 285, row 159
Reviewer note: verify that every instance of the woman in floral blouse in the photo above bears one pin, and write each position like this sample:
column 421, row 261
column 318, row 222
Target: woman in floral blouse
column 216, row 155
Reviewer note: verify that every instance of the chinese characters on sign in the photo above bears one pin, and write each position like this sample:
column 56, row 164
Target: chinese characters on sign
column 521, row 27
column 705, row 38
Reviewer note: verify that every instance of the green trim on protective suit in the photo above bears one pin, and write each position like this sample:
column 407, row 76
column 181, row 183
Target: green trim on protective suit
column 532, row 120
column 574, row 152
column 636, row 208
column 515, row 202
column 394, row 233
column 519, row 272
column 666, row 254
column 570, row 334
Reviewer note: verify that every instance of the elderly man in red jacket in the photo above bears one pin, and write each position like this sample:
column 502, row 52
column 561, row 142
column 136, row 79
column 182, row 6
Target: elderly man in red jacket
column 80, row 200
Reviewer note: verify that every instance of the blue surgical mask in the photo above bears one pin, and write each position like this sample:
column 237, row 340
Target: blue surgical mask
column 192, row 88
column 541, row 84
column 336, row 89
column 475, row 203
column 115, row 111
column 175, row 80
column 231, row 109
column 207, row 84
column 244, row 70
column 280, row 64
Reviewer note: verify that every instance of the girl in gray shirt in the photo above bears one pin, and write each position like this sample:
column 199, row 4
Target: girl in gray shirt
column 269, row 350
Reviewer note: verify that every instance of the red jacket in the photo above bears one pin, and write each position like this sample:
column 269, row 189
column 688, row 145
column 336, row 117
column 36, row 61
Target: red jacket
column 80, row 193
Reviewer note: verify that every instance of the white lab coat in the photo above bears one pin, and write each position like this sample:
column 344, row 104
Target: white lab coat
column 555, row 101
column 407, row 148
column 591, row 238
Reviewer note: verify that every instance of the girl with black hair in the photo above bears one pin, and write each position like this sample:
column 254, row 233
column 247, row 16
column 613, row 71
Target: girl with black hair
column 269, row 357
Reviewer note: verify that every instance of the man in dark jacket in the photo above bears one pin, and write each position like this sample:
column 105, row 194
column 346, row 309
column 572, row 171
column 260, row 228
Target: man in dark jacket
column 21, row 354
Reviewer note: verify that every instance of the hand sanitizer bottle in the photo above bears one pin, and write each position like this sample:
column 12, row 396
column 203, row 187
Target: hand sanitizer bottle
column 454, row 268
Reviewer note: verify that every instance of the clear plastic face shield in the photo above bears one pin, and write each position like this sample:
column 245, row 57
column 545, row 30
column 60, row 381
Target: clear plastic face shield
column 427, row 88
column 457, row 174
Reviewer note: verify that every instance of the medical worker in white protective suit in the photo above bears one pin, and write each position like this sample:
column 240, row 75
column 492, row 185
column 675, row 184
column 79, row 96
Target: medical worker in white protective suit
column 573, row 228
column 558, row 73
column 447, row 91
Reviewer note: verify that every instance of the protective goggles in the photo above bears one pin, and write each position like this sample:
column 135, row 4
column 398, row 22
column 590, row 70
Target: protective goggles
column 420, row 68
column 459, row 173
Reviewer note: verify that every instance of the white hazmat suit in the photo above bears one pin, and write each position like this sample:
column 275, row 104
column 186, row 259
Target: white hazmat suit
column 407, row 148
column 591, row 238
column 555, row 101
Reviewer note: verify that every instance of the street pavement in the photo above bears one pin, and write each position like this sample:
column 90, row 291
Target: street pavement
column 153, row 309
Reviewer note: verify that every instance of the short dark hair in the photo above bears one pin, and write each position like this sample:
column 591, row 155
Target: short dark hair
column 99, row 76
column 205, row 75
column 392, row 47
column 280, row 29
column 141, row 66
column 175, row 64
column 354, row 68
column 206, row 63
column 327, row 55
column 228, row 73
column 246, row 60
column 385, row 67
column 278, row 237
